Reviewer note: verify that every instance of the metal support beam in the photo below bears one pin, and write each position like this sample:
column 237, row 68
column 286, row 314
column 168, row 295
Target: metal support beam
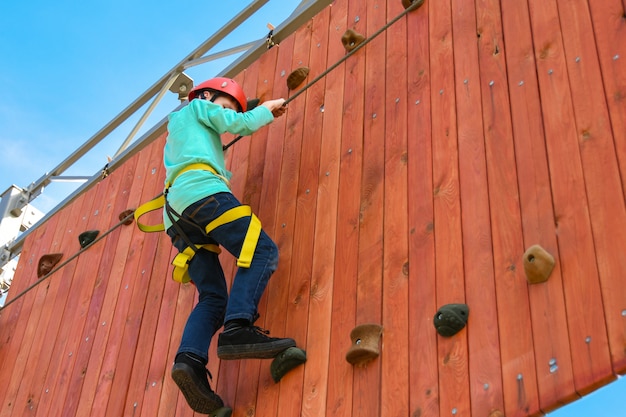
column 303, row 13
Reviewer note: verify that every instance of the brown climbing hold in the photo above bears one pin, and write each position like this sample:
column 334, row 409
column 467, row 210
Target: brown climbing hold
column 365, row 341
column 409, row 3
column 538, row 264
column 351, row 39
column 47, row 262
column 496, row 413
column 296, row 77
column 126, row 216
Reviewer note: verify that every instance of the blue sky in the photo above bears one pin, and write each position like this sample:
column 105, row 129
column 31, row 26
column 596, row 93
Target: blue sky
column 69, row 67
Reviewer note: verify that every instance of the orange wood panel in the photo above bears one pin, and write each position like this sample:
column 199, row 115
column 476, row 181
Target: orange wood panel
column 154, row 278
column 588, row 340
column 28, row 309
column 69, row 344
column 137, row 268
column 601, row 170
column 609, row 34
column 395, row 284
column 117, row 243
column 452, row 352
column 30, row 385
column 324, row 244
column 422, row 343
column 306, row 199
column 124, row 276
column 340, row 391
column 536, row 207
column 78, row 316
column 516, row 343
column 95, row 259
column 72, row 308
column 608, row 26
column 161, row 360
column 367, row 389
column 485, row 383
column 270, row 307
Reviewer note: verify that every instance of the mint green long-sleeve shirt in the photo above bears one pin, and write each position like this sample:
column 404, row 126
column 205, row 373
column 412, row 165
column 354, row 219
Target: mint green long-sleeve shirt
column 194, row 137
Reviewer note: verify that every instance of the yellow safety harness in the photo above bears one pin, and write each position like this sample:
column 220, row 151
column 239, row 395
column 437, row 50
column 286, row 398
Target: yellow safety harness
column 181, row 261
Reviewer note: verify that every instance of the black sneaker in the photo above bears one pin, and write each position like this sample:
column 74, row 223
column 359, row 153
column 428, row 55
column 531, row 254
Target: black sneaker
column 250, row 342
column 191, row 377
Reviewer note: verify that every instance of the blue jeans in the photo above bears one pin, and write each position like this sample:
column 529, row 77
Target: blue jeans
column 214, row 304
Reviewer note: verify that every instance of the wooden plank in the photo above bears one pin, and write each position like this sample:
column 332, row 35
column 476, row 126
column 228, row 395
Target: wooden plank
column 81, row 315
column 485, row 369
column 452, row 352
column 306, row 205
column 117, row 243
column 67, row 308
column 155, row 283
column 160, row 362
column 516, row 342
column 608, row 27
column 28, row 309
column 588, row 340
column 31, row 380
column 395, row 301
column 536, row 208
column 288, row 207
column 139, row 271
column 423, row 363
column 601, row 172
column 69, row 343
column 341, row 393
column 104, row 217
column 324, row 244
column 368, row 387
column 123, row 277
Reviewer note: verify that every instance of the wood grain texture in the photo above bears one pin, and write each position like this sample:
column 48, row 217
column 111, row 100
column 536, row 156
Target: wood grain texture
column 413, row 175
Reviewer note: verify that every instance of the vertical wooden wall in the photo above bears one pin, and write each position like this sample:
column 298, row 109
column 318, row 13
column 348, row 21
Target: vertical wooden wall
column 413, row 175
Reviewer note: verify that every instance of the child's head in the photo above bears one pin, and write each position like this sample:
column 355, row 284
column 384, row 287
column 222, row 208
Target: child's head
column 222, row 91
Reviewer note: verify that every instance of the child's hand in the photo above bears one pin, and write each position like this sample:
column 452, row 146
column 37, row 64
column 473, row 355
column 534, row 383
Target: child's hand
column 277, row 106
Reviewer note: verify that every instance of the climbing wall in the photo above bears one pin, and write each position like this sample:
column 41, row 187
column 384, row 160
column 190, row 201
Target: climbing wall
column 412, row 176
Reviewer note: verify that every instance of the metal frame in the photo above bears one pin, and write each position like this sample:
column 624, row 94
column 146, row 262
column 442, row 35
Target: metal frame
column 303, row 12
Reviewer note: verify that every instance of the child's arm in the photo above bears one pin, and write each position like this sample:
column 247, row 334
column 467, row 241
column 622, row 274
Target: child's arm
column 225, row 120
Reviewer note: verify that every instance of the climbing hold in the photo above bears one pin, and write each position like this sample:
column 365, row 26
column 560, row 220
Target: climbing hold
column 222, row 412
column 496, row 413
column 252, row 103
column 87, row 237
column 285, row 361
column 408, row 3
column 450, row 319
column 538, row 264
column 47, row 262
column 296, row 77
column 128, row 215
column 351, row 39
column 365, row 341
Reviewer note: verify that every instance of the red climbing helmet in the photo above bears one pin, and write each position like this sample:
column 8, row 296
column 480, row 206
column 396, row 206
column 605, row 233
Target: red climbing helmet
column 222, row 85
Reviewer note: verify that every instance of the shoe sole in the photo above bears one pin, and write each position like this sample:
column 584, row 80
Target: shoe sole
column 254, row 351
column 189, row 384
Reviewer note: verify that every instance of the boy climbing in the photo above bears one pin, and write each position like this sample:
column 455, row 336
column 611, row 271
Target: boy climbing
column 200, row 214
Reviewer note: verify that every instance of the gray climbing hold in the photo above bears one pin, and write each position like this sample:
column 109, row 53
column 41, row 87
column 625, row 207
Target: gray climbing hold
column 450, row 319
